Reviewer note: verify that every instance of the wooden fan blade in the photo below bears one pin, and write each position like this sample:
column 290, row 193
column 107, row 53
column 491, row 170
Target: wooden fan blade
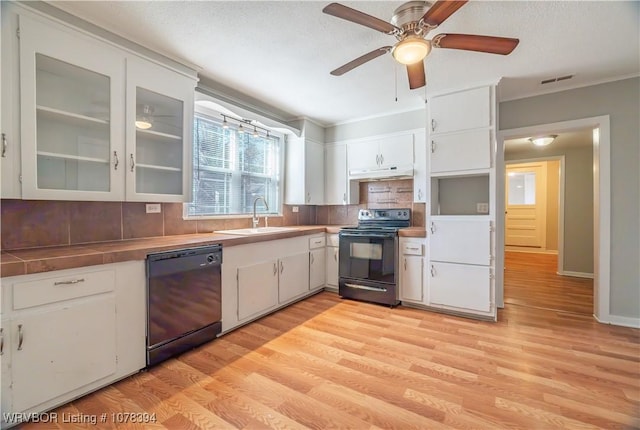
column 360, row 61
column 416, row 74
column 474, row 42
column 358, row 17
column 441, row 10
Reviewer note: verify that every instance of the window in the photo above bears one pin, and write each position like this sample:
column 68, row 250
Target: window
column 231, row 169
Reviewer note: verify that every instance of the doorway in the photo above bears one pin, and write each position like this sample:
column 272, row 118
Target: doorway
column 542, row 266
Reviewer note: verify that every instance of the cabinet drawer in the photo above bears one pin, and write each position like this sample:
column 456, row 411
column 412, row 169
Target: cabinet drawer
column 333, row 240
column 316, row 242
column 55, row 289
column 412, row 248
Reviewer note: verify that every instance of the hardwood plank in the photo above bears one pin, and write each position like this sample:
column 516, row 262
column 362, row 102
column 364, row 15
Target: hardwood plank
column 329, row 363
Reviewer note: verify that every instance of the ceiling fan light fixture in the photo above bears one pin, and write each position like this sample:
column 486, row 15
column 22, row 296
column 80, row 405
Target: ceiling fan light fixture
column 411, row 50
column 543, row 140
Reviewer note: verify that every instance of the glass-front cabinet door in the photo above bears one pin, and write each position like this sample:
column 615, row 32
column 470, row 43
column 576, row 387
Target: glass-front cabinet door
column 159, row 133
column 72, row 98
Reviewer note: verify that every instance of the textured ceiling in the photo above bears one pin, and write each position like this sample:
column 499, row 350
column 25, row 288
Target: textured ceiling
column 281, row 53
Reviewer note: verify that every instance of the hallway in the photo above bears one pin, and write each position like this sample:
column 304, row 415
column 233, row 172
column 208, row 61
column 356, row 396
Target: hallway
column 530, row 280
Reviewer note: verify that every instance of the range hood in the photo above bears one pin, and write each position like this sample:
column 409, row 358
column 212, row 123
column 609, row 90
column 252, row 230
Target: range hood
column 392, row 172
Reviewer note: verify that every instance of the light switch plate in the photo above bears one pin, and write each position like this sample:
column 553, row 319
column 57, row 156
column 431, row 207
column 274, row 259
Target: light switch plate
column 153, row 208
column 295, row 209
column 482, row 208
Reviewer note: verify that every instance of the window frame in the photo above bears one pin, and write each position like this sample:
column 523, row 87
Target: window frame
column 216, row 117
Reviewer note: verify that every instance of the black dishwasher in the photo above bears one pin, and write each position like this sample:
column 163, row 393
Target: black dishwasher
column 183, row 300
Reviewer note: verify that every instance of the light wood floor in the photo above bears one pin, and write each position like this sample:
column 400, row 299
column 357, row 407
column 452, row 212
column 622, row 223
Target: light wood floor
column 530, row 280
column 331, row 363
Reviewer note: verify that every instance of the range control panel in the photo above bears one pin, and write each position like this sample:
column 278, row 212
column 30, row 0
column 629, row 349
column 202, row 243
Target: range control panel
column 384, row 214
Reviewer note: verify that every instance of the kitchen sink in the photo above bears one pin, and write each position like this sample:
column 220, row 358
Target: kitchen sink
column 259, row 230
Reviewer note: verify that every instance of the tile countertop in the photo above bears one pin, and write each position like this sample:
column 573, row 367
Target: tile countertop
column 37, row 260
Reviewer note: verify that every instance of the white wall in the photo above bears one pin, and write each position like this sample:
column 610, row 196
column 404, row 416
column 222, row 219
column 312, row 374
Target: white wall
column 621, row 101
column 375, row 126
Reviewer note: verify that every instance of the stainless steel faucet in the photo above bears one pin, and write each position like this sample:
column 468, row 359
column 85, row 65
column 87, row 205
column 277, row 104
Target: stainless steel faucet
column 255, row 220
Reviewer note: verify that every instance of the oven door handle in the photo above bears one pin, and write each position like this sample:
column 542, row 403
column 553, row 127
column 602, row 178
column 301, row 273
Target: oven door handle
column 366, row 287
column 366, row 235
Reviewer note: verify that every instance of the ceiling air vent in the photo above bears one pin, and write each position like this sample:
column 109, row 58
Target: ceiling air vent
column 558, row 79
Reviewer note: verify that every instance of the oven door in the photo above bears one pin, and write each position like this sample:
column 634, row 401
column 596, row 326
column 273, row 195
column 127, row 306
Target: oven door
column 368, row 256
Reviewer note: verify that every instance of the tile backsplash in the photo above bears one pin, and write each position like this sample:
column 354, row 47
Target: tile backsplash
column 38, row 223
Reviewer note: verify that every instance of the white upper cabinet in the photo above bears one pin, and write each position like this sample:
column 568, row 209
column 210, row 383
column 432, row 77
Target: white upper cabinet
column 420, row 167
column 159, row 132
column 71, row 114
column 381, row 153
column 463, row 110
column 338, row 190
column 9, row 112
column 304, row 170
column 80, row 99
column 469, row 150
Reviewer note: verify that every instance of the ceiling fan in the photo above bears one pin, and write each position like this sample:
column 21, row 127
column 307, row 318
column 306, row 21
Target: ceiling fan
column 410, row 24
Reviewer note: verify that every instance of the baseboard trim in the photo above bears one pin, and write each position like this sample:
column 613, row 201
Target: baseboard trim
column 576, row 274
column 621, row 321
column 530, row 250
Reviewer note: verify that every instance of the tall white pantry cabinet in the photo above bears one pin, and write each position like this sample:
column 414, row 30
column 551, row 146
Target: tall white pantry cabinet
column 461, row 211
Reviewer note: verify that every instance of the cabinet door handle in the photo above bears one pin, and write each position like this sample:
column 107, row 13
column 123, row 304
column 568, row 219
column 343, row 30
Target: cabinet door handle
column 4, row 145
column 432, row 228
column 275, row 269
column 71, row 282
column 419, row 194
column 377, row 159
column 433, row 271
column 281, row 267
column 133, row 163
column 335, row 255
column 381, row 159
column 433, row 125
column 344, row 198
column 308, row 197
column 433, row 147
column 1, row 341
column 116, row 161
column 312, row 259
column 405, row 264
column 20, row 337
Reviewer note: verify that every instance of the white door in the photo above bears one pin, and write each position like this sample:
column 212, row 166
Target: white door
column 294, row 276
column 58, row 351
column 317, row 268
column 159, row 125
column 396, row 151
column 71, row 109
column 314, row 173
column 411, row 279
column 525, row 195
column 461, row 151
column 363, row 155
column 459, row 111
column 462, row 286
column 465, row 241
column 332, row 266
column 257, row 288
column 335, row 190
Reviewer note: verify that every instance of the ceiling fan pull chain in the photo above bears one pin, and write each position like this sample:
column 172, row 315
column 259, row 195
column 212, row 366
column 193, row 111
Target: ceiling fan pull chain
column 395, row 80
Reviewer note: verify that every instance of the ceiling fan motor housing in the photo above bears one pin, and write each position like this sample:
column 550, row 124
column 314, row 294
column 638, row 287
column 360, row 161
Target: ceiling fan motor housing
column 407, row 17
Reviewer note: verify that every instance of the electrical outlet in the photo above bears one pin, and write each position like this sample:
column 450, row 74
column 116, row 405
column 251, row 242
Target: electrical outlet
column 482, row 208
column 153, row 208
column 295, row 209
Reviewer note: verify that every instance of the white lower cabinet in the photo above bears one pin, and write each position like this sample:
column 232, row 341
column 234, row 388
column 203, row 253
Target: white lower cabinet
column 261, row 277
column 332, row 261
column 460, row 240
column 460, row 286
column 317, row 268
column 69, row 332
column 257, row 288
column 62, row 349
column 411, row 270
column 293, row 280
